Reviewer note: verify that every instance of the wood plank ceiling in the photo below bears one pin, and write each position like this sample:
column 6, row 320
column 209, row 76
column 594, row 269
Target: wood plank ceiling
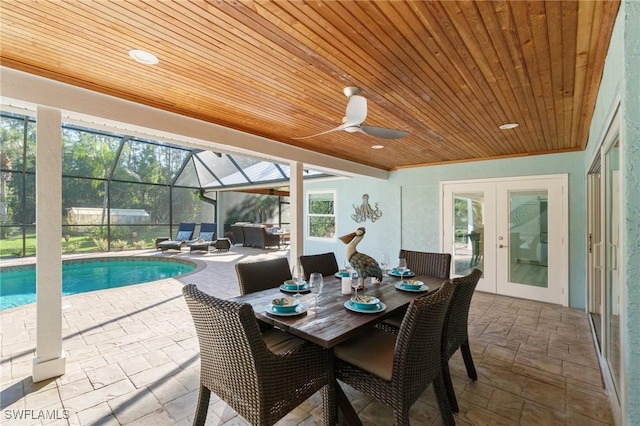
column 447, row 72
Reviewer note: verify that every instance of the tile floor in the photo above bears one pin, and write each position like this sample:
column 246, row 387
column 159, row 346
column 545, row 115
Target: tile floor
column 132, row 359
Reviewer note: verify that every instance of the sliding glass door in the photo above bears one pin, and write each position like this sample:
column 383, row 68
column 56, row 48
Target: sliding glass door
column 595, row 272
column 612, row 284
column 605, row 243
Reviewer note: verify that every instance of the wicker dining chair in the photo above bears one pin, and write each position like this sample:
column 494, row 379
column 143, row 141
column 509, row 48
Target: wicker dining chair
column 261, row 376
column 427, row 263
column 324, row 263
column 420, row 263
column 396, row 369
column 263, row 274
column 455, row 334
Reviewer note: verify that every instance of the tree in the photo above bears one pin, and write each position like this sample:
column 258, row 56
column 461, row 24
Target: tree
column 14, row 179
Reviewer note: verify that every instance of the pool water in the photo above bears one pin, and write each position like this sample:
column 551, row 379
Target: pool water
column 18, row 285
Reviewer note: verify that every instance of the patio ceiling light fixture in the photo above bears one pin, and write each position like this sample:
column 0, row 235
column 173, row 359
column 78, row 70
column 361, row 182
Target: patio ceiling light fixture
column 507, row 126
column 143, row 57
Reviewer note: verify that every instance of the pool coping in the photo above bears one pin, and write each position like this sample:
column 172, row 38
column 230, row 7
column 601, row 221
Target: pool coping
column 19, row 263
column 25, row 263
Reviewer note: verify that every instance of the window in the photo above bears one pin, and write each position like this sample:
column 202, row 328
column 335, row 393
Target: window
column 321, row 216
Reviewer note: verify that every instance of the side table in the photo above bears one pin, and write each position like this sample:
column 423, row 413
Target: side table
column 159, row 240
column 284, row 237
column 222, row 244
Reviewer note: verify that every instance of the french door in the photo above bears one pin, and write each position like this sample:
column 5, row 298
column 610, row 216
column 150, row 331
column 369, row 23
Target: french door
column 514, row 230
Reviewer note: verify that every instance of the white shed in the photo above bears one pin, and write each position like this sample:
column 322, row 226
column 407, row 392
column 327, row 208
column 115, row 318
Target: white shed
column 98, row 216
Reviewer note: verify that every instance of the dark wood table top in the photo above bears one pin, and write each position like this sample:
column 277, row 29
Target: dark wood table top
column 333, row 323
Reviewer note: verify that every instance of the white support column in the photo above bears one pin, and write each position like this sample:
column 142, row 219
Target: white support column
column 49, row 361
column 470, row 221
column 296, row 197
column 218, row 218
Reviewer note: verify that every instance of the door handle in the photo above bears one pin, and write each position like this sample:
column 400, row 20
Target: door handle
column 502, row 246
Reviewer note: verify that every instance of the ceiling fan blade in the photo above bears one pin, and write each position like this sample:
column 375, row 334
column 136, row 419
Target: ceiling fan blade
column 381, row 132
column 340, row 127
column 356, row 111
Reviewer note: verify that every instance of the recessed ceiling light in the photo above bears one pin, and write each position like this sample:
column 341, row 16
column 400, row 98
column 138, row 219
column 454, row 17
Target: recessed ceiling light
column 144, row 57
column 509, row 126
column 377, row 147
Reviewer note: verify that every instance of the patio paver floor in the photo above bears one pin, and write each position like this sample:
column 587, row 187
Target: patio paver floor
column 132, row 359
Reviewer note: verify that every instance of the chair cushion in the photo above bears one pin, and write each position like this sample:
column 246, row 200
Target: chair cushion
column 183, row 235
column 395, row 319
column 371, row 352
column 279, row 342
column 206, row 236
column 171, row 244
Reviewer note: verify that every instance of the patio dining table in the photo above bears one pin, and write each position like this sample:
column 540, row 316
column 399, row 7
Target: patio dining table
column 331, row 322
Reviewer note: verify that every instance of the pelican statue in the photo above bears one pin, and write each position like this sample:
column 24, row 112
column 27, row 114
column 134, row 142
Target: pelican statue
column 365, row 265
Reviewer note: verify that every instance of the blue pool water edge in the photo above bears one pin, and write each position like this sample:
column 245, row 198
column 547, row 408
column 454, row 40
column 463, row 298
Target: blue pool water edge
column 18, row 283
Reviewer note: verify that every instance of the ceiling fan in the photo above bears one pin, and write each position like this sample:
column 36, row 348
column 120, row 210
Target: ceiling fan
column 355, row 116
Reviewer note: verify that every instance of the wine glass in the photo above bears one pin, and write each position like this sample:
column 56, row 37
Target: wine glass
column 355, row 282
column 402, row 267
column 347, row 266
column 316, row 283
column 298, row 278
column 384, row 262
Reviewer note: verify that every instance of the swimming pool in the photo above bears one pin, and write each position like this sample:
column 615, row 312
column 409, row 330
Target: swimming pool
column 18, row 284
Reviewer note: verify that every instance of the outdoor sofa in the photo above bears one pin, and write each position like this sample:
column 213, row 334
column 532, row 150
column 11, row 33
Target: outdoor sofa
column 254, row 235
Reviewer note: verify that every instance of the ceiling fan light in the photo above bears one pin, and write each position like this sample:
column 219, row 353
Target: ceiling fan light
column 143, row 57
column 507, row 126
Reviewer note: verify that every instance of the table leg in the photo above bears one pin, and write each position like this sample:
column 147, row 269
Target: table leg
column 346, row 413
column 349, row 415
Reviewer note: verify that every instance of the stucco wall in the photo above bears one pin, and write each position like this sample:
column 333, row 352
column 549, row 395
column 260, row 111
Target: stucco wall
column 621, row 84
column 239, row 206
column 631, row 209
column 380, row 236
column 411, row 199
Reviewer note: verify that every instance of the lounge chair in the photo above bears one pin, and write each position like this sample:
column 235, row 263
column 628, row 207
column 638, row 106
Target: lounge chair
column 184, row 234
column 206, row 238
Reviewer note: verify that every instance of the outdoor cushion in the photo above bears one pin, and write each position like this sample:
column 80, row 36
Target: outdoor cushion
column 372, row 352
column 280, row 342
column 206, row 236
column 183, row 235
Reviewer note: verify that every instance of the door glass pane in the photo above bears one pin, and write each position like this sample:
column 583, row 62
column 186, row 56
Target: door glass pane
column 468, row 244
column 595, row 255
column 528, row 237
column 613, row 292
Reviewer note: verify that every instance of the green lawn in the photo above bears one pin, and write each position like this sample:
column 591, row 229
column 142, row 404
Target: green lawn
column 11, row 247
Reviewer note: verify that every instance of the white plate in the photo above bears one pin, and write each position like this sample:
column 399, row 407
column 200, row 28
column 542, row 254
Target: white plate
column 419, row 289
column 303, row 289
column 349, row 305
column 301, row 309
column 407, row 274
